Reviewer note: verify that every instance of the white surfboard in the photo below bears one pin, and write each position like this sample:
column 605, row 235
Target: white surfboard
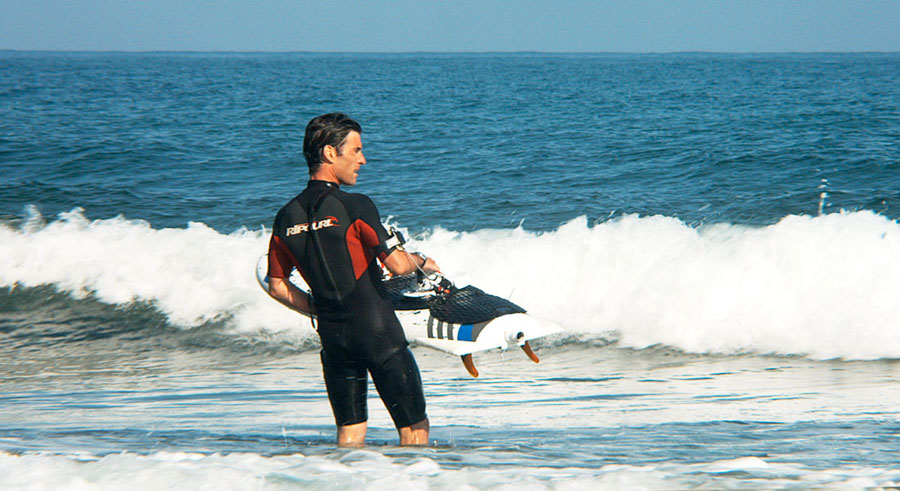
column 458, row 321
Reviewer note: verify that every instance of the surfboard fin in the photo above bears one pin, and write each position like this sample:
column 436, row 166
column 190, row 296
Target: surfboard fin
column 527, row 349
column 470, row 365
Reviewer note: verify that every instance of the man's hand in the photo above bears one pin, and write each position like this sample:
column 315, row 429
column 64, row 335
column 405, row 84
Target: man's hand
column 430, row 266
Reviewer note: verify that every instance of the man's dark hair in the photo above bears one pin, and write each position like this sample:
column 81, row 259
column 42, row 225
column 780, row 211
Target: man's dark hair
column 327, row 129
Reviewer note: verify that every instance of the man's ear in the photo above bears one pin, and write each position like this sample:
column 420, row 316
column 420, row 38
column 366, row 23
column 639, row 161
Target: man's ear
column 329, row 153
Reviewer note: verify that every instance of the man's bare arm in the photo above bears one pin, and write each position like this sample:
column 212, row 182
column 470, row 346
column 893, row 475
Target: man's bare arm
column 401, row 262
column 285, row 292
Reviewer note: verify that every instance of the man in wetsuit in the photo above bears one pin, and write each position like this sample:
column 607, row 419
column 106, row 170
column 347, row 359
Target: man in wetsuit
column 333, row 238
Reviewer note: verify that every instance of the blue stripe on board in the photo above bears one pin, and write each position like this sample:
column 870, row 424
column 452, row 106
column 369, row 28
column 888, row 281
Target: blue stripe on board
column 464, row 333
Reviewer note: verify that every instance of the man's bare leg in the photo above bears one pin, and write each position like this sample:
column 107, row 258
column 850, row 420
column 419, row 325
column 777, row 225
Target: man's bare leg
column 415, row 434
column 352, row 435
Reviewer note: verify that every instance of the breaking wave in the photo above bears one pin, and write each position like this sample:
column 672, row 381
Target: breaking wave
column 823, row 287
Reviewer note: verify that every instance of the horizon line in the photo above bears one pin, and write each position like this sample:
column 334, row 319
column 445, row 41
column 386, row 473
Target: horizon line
column 425, row 52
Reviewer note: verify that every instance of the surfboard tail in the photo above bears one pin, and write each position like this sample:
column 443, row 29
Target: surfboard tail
column 500, row 333
column 469, row 362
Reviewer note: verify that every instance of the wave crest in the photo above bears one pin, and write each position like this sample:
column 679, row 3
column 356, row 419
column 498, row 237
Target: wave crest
column 823, row 287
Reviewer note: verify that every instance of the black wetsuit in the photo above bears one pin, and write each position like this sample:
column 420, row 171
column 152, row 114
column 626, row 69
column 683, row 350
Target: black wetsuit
column 333, row 238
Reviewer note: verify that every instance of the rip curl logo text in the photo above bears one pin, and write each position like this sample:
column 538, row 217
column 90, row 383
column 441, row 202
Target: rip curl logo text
column 305, row 227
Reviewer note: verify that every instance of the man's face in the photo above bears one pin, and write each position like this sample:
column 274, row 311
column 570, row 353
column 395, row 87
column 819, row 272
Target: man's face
column 347, row 164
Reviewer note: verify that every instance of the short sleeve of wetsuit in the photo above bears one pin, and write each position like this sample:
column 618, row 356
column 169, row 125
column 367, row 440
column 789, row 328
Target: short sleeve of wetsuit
column 371, row 232
column 281, row 261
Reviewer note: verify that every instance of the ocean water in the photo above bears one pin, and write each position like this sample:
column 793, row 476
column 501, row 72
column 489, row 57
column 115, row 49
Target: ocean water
column 717, row 234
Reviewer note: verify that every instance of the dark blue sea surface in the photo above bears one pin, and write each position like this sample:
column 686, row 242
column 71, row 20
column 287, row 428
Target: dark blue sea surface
column 716, row 234
column 464, row 141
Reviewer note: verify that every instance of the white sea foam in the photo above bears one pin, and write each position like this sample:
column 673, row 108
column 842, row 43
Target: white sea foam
column 824, row 287
column 193, row 275
column 373, row 470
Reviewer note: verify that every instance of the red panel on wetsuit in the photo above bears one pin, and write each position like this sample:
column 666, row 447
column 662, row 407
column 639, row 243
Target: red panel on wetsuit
column 281, row 261
column 361, row 239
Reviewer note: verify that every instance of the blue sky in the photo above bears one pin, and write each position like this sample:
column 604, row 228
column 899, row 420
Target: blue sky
column 464, row 25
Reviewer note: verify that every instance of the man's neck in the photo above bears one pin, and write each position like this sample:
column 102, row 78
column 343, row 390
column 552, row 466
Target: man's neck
column 324, row 175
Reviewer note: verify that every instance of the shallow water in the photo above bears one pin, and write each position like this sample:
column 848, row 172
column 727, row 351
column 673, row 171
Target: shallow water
column 590, row 411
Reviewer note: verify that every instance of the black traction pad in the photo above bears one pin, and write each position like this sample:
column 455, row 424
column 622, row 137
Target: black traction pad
column 467, row 305
column 396, row 285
